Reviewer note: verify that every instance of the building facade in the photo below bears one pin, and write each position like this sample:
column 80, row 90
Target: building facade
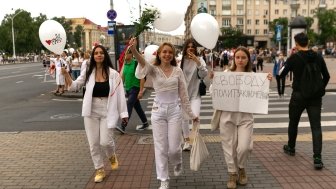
column 252, row 17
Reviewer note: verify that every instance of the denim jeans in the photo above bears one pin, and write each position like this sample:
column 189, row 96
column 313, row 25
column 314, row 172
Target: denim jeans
column 133, row 102
column 75, row 74
column 297, row 105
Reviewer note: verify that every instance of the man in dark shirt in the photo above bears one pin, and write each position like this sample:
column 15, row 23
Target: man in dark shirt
column 298, row 103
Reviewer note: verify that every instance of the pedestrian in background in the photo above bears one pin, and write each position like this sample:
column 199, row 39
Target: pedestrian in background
column 76, row 63
column 253, row 59
column 103, row 103
column 171, row 95
column 60, row 82
column 281, row 81
column 298, row 103
column 194, row 69
column 134, row 90
column 236, row 128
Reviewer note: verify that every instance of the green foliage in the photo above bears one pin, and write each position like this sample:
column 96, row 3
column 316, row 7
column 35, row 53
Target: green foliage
column 327, row 25
column 79, row 30
column 231, row 37
column 26, row 32
column 146, row 20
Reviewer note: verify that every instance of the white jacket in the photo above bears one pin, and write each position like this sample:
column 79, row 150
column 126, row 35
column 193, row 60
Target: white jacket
column 116, row 103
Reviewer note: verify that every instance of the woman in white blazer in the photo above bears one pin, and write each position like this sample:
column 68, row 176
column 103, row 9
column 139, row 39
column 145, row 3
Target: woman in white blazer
column 103, row 103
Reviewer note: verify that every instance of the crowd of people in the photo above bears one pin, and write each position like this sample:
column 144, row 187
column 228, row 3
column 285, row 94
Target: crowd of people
column 178, row 102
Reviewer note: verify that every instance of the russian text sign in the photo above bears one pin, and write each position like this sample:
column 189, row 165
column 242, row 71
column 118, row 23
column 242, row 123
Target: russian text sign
column 240, row 92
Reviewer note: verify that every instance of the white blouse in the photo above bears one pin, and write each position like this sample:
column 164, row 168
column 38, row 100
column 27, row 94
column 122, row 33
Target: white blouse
column 167, row 89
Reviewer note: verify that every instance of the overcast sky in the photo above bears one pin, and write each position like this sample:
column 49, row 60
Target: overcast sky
column 95, row 10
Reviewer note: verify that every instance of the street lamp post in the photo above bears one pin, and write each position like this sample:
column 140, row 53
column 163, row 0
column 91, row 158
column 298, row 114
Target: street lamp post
column 14, row 55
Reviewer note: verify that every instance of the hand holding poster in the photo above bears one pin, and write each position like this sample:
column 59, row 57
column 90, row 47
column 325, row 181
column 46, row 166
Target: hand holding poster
column 240, row 92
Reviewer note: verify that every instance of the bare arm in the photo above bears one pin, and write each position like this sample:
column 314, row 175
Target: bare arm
column 136, row 53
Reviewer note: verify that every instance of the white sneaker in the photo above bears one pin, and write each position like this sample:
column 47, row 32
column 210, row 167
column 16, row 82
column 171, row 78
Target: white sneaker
column 164, row 185
column 178, row 170
column 186, row 146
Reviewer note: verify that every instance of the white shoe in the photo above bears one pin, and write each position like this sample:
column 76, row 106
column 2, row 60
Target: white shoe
column 186, row 146
column 178, row 170
column 164, row 185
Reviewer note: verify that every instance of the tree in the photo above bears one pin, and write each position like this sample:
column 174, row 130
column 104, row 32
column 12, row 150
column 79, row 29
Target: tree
column 310, row 32
column 79, row 30
column 326, row 24
column 231, row 37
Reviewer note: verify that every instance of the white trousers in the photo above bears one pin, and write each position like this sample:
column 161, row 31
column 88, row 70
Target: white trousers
column 236, row 130
column 100, row 137
column 196, row 109
column 166, row 122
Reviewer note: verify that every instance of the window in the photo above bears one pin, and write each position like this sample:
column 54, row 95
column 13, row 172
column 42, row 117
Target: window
column 276, row 11
column 249, row 12
column 249, row 32
column 257, row 2
column 265, row 31
column 248, row 2
column 256, row 12
column 256, row 32
column 285, row 12
column 312, row 11
column 304, row 11
column 248, row 22
column 213, row 12
column 265, row 22
column 265, row 12
column 257, row 21
column 226, row 22
column 265, row 2
column 240, row 21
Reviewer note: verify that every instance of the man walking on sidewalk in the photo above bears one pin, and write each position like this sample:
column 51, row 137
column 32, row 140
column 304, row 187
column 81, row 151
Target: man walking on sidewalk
column 134, row 90
column 310, row 72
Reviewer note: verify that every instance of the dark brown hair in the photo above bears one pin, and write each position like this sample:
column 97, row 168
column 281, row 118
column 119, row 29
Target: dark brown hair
column 185, row 47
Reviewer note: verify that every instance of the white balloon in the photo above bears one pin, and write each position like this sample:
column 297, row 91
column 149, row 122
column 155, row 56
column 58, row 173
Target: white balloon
column 204, row 29
column 52, row 36
column 170, row 19
column 150, row 53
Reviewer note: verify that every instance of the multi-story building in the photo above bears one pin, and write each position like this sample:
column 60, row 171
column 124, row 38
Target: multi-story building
column 92, row 33
column 252, row 17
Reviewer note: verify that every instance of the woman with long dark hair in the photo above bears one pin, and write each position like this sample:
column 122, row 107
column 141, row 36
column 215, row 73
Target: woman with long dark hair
column 103, row 102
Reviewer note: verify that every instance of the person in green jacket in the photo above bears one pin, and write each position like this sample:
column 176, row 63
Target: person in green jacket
column 134, row 91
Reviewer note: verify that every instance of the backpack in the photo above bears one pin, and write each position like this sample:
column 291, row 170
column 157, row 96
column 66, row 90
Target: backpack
column 311, row 83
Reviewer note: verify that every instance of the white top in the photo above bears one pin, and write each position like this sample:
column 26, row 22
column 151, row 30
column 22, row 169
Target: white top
column 116, row 103
column 167, row 89
column 191, row 75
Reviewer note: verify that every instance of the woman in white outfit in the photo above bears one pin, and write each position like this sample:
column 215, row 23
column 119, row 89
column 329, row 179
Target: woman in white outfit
column 193, row 68
column 103, row 103
column 59, row 63
column 169, row 85
column 236, row 128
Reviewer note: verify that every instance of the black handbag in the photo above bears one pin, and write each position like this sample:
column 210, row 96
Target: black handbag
column 202, row 86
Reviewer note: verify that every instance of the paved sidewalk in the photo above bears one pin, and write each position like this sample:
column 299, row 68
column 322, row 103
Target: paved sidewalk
column 62, row 160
